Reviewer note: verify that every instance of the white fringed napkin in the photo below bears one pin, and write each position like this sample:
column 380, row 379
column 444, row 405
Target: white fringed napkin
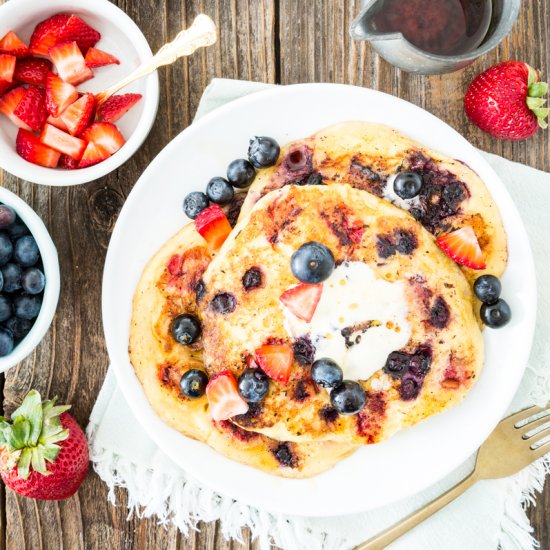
column 489, row 514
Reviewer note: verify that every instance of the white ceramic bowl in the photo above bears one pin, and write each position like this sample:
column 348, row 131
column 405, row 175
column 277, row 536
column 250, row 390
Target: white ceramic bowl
column 48, row 254
column 119, row 36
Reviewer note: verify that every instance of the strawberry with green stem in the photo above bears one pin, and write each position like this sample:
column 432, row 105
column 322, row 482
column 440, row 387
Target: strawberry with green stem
column 508, row 101
column 43, row 451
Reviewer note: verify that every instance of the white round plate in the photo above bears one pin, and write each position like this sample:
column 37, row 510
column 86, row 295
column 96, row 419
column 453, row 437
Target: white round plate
column 375, row 475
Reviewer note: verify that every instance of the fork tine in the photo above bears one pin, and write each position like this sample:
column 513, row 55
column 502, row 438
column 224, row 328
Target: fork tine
column 538, row 442
column 537, row 427
column 539, row 452
column 520, row 418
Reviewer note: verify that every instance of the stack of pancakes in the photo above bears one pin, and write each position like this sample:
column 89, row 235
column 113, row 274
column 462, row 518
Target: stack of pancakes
column 336, row 189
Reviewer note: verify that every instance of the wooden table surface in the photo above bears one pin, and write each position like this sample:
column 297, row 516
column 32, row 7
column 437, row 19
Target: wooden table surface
column 278, row 41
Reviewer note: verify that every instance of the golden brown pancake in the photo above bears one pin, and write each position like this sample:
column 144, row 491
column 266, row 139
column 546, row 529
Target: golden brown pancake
column 427, row 314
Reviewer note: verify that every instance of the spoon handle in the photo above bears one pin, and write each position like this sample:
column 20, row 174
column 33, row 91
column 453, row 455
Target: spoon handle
column 200, row 34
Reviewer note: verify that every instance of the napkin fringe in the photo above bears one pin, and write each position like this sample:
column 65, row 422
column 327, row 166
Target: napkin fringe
column 179, row 500
column 516, row 530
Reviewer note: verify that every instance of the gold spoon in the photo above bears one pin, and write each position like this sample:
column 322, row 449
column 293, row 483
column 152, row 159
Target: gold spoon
column 200, row 34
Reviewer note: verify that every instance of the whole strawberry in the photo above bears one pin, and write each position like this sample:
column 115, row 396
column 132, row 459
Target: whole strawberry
column 43, row 451
column 507, row 101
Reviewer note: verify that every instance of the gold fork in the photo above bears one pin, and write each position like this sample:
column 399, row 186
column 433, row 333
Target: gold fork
column 514, row 444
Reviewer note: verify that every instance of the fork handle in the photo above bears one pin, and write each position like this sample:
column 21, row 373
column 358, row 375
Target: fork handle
column 386, row 537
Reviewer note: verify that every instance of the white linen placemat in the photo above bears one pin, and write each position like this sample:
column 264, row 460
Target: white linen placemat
column 488, row 515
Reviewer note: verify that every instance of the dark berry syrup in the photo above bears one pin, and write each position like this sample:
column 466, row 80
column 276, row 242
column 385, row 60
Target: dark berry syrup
column 441, row 27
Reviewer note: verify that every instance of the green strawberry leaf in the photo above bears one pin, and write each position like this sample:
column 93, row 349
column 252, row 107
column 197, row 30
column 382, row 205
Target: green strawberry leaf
column 19, row 434
column 50, row 452
column 23, row 465
column 535, row 102
column 538, row 89
column 38, row 462
column 31, row 409
column 533, row 75
column 29, row 403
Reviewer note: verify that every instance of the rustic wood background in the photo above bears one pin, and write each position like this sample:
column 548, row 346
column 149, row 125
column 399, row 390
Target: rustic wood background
column 278, row 41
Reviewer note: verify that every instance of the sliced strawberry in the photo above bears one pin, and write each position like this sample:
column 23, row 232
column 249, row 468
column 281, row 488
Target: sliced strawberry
column 48, row 33
column 7, row 66
column 31, row 149
column 59, row 95
column 302, row 300
column 213, row 225
column 57, row 122
column 463, row 247
column 67, row 162
column 32, row 71
column 224, row 398
column 99, row 58
column 117, row 105
column 13, row 45
column 275, row 360
column 93, row 154
column 32, row 108
column 8, row 104
column 6, row 86
column 61, row 141
column 69, row 62
column 77, row 116
column 81, row 33
column 106, row 135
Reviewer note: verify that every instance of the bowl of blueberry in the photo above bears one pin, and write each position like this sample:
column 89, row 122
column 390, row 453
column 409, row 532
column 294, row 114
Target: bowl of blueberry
column 29, row 279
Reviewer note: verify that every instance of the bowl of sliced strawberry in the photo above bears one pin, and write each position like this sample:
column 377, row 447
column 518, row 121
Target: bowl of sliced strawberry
column 54, row 58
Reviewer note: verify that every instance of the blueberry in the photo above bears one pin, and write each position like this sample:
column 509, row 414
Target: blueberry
column 194, row 204
column 6, row 343
column 348, row 397
column 193, row 383
column 7, row 216
column 17, row 229
column 313, row 262
column 12, row 277
column 6, row 248
column 33, row 280
column 240, row 173
column 18, row 328
column 1, row 281
column 27, row 307
column 25, row 251
column 220, row 191
column 253, row 385
column 496, row 315
column 487, row 288
column 263, row 152
column 223, row 302
column 326, row 373
column 407, row 184
column 186, row 329
column 5, row 308
column 252, row 279
column 409, row 388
